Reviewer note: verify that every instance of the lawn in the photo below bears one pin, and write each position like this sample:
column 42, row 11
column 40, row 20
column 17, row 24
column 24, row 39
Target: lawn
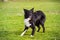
column 12, row 20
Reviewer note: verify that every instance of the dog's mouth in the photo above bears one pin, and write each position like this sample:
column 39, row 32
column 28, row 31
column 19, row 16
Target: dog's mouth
column 30, row 17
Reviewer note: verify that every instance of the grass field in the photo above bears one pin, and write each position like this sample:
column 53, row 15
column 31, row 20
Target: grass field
column 12, row 20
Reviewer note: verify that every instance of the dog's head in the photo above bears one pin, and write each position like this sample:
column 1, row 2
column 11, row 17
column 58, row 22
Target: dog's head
column 28, row 16
column 28, row 13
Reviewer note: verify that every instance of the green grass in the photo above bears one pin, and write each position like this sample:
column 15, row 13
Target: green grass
column 12, row 20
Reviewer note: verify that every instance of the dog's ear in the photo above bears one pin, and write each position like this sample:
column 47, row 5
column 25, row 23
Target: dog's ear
column 32, row 9
column 25, row 9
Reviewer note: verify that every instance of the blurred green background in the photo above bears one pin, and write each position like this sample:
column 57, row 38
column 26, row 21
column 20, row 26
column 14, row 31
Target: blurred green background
column 12, row 19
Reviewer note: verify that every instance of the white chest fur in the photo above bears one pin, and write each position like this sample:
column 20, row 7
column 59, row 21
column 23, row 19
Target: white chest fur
column 26, row 21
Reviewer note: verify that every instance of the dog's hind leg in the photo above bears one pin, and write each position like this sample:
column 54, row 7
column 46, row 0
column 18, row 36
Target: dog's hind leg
column 42, row 24
column 38, row 28
column 38, row 25
column 26, row 28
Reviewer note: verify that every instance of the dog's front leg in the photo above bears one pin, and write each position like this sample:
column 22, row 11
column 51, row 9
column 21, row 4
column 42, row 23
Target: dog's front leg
column 33, row 30
column 26, row 28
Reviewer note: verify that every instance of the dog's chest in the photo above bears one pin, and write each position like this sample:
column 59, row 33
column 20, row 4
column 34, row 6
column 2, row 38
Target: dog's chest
column 27, row 23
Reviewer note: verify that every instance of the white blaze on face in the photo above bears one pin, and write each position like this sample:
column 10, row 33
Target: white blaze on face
column 26, row 21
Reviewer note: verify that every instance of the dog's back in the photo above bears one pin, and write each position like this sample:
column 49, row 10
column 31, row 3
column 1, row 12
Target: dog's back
column 39, row 16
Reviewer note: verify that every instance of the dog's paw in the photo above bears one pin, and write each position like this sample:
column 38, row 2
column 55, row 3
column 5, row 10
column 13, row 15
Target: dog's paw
column 31, row 36
column 37, row 31
column 43, row 31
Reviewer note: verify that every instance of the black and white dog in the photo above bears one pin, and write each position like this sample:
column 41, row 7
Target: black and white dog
column 33, row 19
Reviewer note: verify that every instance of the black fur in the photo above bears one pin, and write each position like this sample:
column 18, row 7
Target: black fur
column 37, row 18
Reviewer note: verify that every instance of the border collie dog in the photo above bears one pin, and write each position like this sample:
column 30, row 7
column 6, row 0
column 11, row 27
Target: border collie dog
column 32, row 19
